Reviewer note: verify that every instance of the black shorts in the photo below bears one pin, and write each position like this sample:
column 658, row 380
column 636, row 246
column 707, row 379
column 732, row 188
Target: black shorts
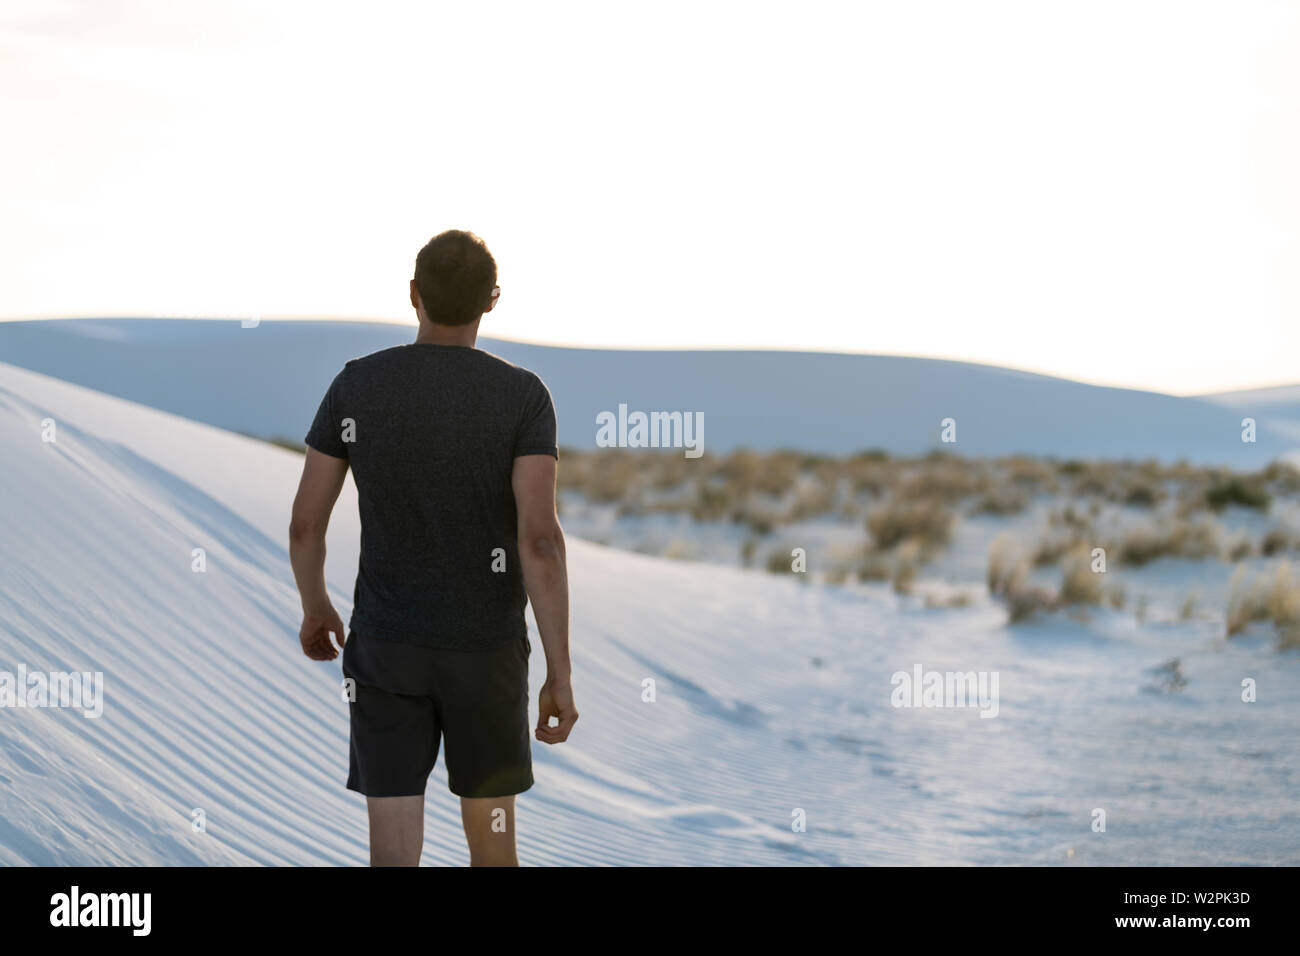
column 407, row 697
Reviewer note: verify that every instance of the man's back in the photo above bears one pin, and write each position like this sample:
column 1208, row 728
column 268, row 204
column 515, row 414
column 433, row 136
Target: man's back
column 431, row 433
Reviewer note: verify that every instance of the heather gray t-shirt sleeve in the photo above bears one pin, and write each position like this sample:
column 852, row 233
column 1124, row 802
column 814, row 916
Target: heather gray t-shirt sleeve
column 326, row 432
column 536, row 435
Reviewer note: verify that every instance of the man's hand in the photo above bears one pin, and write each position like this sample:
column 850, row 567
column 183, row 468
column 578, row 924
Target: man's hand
column 556, row 701
column 315, row 633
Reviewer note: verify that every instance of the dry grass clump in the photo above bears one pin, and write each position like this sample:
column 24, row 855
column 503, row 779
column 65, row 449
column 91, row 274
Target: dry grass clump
column 1029, row 474
column 1071, row 517
column 1274, row 598
column 1175, row 538
column 1055, row 545
column 869, row 473
column 812, row 499
column 1236, row 490
column 955, row 599
column 1001, row 500
column 746, row 471
column 1008, row 565
column 613, row 475
column 946, row 480
column 712, row 502
column 1278, row 540
column 874, row 567
column 1238, row 547
column 1282, row 477
column 1080, row 584
column 1142, row 494
column 923, row 519
column 907, row 561
column 670, row 471
column 1008, row 580
column 781, row 561
column 899, row 567
column 1093, row 478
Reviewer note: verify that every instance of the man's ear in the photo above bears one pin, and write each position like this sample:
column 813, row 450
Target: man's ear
column 493, row 299
column 415, row 297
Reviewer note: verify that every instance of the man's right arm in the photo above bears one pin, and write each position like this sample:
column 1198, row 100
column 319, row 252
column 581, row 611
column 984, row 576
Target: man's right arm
column 546, row 579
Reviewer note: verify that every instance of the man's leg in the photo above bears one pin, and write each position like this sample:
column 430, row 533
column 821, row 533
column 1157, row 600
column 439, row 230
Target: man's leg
column 489, row 830
column 397, row 830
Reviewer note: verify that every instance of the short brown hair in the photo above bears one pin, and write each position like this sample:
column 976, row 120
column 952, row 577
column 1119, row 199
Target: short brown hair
column 455, row 275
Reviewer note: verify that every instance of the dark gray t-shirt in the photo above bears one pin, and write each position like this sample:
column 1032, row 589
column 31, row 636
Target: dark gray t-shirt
column 431, row 433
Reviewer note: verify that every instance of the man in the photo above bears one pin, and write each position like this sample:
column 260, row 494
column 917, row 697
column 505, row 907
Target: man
column 453, row 452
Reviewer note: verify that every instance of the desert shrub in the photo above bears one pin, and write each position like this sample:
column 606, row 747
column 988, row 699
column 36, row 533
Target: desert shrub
column 1070, row 518
column 906, row 563
column 1179, row 538
column 814, row 498
column 1094, row 478
column 779, row 472
column 781, row 562
column 1274, row 598
column 613, row 476
column 1239, row 548
column 1052, row 548
column 711, row 502
column 1143, row 494
column 837, row 574
column 870, row 455
column 873, row 567
column 668, row 470
column 1007, row 565
column 1008, row 580
column 1283, row 476
column 925, row 520
column 1026, row 601
column 1141, row 545
column 1002, row 500
column 955, row 599
column 1079, row 583
column 1236, row 491
column 1029, row 473
column 1276, row 541
column 871, row 480
column 944, row 479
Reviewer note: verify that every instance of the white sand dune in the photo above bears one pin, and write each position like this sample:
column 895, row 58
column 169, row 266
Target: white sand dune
column 772, row 696
column 1277, row 409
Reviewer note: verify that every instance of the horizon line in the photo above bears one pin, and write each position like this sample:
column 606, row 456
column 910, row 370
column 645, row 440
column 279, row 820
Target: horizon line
column 652, row 348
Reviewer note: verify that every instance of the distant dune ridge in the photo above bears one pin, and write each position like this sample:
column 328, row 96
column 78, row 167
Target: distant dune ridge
column 266, row 381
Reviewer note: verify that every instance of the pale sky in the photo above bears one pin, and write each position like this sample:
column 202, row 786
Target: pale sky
column 1105, row 191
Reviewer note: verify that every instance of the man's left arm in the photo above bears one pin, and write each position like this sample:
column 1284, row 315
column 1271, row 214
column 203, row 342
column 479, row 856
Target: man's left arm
column 322, row 480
